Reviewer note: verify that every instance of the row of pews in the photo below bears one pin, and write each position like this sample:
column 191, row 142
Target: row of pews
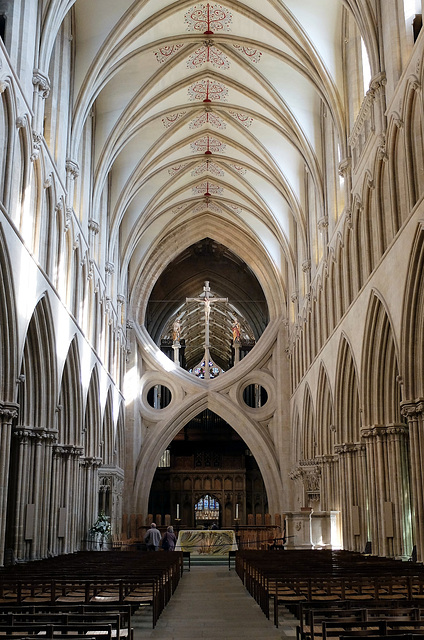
column 85, row 594
column 337, row 594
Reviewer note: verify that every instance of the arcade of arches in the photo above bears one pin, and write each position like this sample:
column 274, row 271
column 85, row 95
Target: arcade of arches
column 211, row 269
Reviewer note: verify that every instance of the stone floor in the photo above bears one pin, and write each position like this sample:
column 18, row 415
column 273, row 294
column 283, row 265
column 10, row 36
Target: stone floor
column 211, row 603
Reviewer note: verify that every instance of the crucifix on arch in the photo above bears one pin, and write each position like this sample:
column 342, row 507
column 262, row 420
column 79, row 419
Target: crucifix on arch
column 206, row 299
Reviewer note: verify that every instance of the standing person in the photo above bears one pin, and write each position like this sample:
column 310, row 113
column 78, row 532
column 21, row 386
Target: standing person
column 152, row 538
column 169, row 540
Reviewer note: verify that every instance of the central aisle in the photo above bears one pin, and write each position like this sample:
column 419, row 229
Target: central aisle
column 211, row 603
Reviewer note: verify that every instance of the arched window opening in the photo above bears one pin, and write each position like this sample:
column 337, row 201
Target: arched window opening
column 366, row 68
column 413, row 17
column 206, row 511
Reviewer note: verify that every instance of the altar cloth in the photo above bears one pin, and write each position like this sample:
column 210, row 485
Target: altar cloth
column 206, row 542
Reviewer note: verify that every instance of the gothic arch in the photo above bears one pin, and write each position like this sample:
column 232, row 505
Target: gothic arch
column 257, row 440
column 309, row 436
column 108, row 431
column 413, row 139
column 70, row 399
column 325, row 415
column 8, row 327
column 381, row 391
column 38, row 389
column 92, row 418
column 347, row 408
column 413, row 322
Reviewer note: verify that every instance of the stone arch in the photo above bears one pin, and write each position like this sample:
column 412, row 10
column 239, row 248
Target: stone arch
column 347, row 407
column 412, row 339
column 8, row 327
column 92, row 418
column 381, row 391
column 38, row 389
column 119, row 442
column 229, row 235
column 6, row 119
column 256, row 437
column 33, row 438
column 413, row 140
column 70, row 399
column 325, row 414
column 309, row 436
column 108, row 431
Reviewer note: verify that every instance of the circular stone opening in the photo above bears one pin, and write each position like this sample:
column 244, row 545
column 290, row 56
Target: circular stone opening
column 159, row 396
column 255, row 396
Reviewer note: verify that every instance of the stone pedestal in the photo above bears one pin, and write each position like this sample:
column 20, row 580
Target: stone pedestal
column 309, row 529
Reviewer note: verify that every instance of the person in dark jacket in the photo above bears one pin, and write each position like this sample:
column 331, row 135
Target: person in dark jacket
column 152, row 538
column 169, row 540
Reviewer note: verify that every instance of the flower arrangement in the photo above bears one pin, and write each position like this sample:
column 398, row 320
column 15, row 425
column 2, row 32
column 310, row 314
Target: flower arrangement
column 102, row 525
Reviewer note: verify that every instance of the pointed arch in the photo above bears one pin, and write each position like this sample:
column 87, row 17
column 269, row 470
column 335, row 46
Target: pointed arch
column 413, row 322
column 8, row 326
column 325, row 414
column 108, row 431
column 381, row 391
column 347, row 407
column 38, row 392
column 70, row 399
column 92, row 418
column 309, row 437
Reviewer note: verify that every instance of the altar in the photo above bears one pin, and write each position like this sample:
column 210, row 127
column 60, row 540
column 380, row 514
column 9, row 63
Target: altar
column 206, row 542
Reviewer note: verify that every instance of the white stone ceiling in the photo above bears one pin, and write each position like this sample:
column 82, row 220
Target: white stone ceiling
column 207, row 110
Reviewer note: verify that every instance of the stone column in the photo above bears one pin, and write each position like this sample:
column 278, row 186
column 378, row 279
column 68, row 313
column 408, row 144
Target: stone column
column 90, row 490
column 176, row 347
column 414, row 413
column 8, row 413
column 388, row 482
column 236, row 346
column 353, row 508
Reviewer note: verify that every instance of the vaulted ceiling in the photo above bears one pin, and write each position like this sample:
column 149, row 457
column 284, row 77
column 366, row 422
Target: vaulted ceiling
column 207, row 116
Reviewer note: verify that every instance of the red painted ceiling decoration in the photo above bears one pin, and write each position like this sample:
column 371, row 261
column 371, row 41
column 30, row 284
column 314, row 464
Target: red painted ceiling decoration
column 208, row 53
column 207, row 189
column 208, row 18
column 172, row 118
column 207, row 145
column 165, row 52
column 254, row 55
column 208, row 204
column 239, row 168
column 208, row 117
column 174, row 170
column 208, row 90
column 208, row 166
column 242, row 118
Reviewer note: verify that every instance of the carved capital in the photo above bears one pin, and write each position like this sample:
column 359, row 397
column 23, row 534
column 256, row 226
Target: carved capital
column 37, row 140
column 306, row 265
column 375, row 431
column 8, row 411
column 68, row 218
column 41, row 83
column 413, row 410
column 21, row 121
column 344, row 167
column 323, row 223
column 72, row 169
column 93, row 226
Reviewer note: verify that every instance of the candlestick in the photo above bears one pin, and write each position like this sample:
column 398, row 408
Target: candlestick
column 178, row 511
column 236, row 511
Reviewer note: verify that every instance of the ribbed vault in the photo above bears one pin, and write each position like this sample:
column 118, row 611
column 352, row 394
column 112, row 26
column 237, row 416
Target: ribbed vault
column 207, row 109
